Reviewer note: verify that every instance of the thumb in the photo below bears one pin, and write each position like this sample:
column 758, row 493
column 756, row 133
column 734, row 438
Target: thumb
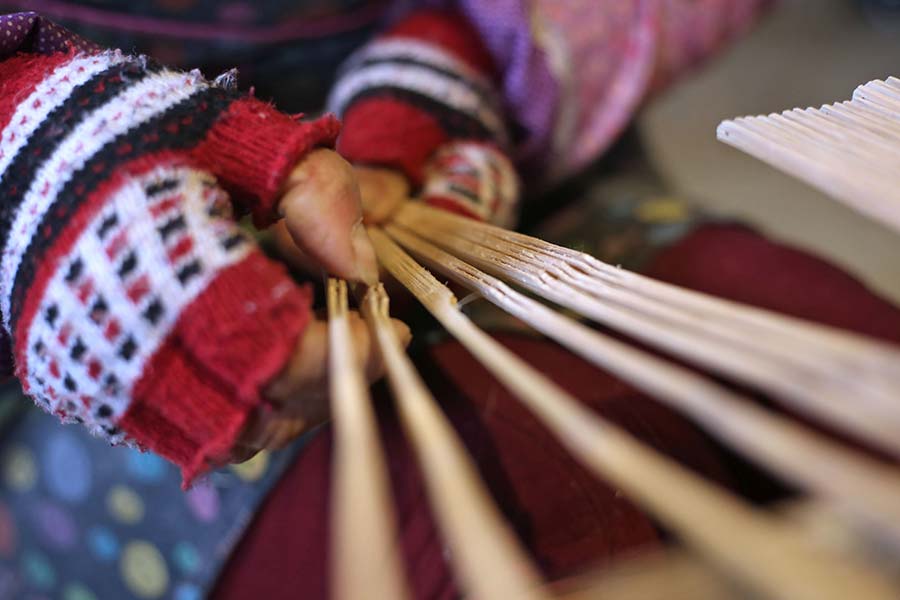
column 305, row 377
column 322, row 212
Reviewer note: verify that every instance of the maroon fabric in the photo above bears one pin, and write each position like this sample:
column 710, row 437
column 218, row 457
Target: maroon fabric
column 567, row 519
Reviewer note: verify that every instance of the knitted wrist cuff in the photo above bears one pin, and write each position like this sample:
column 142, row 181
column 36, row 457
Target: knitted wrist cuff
column 252, row 149
column 196, row 393
column 474, row 180
column 422, row 84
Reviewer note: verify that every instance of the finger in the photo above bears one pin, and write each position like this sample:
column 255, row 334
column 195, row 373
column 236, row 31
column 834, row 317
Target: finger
column 383, row 192
column 322, row 211
column 304, row 382
column 290, row 252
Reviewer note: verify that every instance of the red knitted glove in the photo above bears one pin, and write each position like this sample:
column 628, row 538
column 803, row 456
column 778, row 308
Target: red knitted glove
column 133, row 303
column 421, row 100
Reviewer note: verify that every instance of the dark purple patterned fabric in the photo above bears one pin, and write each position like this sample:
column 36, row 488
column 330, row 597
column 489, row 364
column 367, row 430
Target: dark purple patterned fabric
column 29, row 32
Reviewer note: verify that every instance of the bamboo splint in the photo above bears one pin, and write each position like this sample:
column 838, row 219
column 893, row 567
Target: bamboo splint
column 673, row 575
column 847, row 150
column 773, row 557
column 484, row 551
column 866, row 486
column 842, row 379
column 366, row 561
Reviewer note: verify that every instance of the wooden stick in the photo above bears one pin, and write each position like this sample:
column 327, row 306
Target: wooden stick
column 767, row 554
column 676, row 574
column 365, row 563
column 815, row 390
column 485, row 553
column 672, row 575
column 848, row 150
column 868, row 487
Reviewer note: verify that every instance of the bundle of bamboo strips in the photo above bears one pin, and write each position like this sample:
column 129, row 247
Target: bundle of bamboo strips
column 847, row 150
column 732, row 548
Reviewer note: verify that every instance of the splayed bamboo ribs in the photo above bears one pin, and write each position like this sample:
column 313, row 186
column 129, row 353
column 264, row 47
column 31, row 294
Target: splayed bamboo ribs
column 487, row 556
column 848, row 380
column 773, row 558
column 839, row 378
column 867, row 486
column 362, row 507
column 847, row 150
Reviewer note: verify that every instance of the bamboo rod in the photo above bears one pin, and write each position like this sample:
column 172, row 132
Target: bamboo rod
column 366, row 562
column 851, row 395
column 870, row 488
column 676, row 574
column 665, row 575
column 766, row 553
column 485, row 553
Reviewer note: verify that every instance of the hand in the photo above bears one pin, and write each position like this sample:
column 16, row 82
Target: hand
column 382, row 192
column 322, row 214
column 298, row 398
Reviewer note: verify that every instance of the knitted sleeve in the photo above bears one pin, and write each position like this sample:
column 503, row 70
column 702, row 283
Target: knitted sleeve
column 133, row 302
column 573, row 74
column 422, row 98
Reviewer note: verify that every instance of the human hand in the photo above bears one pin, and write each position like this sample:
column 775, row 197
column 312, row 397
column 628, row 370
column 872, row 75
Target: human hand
column 298, row 397
column 322, row 217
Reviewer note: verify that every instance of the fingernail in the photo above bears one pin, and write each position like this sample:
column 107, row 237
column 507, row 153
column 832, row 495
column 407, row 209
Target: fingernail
column 366, row 263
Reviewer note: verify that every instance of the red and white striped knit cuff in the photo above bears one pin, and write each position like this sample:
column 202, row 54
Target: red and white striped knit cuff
column 474, row 180
column 424, row 83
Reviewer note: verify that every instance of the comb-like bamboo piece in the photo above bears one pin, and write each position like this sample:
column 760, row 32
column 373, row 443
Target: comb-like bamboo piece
column 848, row 150
column 866, row 486
column 843, row 379
column 773, row 557
column 484, row 551
column 366, row 561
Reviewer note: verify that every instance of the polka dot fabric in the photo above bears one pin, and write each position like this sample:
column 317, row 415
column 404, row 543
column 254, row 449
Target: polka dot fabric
column 29, row 32
column 82, row 521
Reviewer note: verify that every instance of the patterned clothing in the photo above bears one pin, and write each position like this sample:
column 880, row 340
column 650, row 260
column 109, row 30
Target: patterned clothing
column 133, row 302
column 82, row 521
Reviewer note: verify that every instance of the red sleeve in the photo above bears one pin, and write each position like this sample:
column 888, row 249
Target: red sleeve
column 252, row 149
column 423, row 83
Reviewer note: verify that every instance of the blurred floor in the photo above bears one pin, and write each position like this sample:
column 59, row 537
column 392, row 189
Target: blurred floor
column 806, row 53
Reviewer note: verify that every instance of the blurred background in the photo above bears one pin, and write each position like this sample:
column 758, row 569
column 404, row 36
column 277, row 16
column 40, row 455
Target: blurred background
column 805, row 53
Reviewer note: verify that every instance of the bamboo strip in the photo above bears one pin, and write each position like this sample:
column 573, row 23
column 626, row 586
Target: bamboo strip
column 839, row 350
column 484, row 552
column 868, row 487
column 366, row 562
column 859, row 352
column 847, row 150
column 820, row 393
column 676, row 574
column 672, row 575
column 766, row 553
column 535, row 262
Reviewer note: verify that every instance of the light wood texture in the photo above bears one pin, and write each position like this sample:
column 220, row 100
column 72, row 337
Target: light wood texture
column 672, row 575
column 870, row 488
column 848, row 150
column 485, row 553
column 365, row 563
column 846, row 380
column 766, row 553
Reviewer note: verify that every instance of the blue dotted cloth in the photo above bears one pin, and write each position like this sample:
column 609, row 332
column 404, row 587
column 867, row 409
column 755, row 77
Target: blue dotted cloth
column 80, row 520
